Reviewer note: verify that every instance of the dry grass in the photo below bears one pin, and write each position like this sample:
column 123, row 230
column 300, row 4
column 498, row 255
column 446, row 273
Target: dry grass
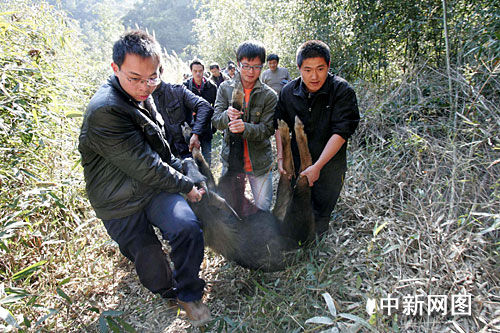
column 392, row 233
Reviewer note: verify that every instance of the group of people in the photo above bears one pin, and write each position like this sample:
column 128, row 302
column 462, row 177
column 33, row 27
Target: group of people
column 132, row 146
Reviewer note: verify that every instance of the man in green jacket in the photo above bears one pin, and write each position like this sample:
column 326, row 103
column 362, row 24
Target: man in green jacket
column 246, row 148
column 134, row 182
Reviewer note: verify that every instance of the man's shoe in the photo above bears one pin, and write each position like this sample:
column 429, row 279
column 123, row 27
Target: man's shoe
column 197, row 312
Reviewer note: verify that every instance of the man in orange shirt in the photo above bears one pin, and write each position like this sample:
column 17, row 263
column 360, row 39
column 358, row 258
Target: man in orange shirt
column 246, row 150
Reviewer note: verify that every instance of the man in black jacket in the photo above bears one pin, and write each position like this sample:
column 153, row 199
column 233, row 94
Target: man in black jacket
column 200, row 86
column 133, row 180
column 177, row 105
column 327, row 106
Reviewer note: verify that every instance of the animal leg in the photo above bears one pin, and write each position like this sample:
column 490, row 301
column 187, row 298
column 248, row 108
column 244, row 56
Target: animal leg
column 300, row 135
column 299, row 219
column 204, row 168
column 284, row 193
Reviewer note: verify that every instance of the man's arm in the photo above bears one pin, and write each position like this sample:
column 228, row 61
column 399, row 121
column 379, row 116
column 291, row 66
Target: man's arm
column 264, row 129
column 117, row 140
column 344, row 121
column 332, row 147
column 220, row 118
column 202, row 109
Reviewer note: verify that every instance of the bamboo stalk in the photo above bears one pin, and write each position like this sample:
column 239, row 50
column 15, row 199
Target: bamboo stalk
column 452, row 114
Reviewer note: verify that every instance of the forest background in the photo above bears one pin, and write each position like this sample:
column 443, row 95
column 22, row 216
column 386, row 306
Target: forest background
column 419, row 214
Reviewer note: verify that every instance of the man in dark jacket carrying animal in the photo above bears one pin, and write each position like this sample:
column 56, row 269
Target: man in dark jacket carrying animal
column 133, row 181
column 177, row 104
column 200, row 86
column 327, row 106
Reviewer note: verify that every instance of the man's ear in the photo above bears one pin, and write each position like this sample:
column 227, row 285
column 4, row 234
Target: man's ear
column 115, row 67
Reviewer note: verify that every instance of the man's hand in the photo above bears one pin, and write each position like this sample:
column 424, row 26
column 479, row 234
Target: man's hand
column 194, row 142
column 281, row 170
column 236, row 126
column 233, row 114
column 195, row 194
column 312, row 174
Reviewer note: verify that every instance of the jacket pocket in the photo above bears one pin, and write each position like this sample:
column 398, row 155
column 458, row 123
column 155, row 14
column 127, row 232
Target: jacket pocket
column 255, row 114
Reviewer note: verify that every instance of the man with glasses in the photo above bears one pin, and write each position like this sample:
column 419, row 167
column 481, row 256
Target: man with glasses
column 246, row 149
column 134, row 182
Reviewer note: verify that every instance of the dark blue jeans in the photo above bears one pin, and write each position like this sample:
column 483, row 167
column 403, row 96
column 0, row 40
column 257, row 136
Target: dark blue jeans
column 138, row 242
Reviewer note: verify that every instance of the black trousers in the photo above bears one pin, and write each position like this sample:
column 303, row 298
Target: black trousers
column 138, row 242
column 325, row 193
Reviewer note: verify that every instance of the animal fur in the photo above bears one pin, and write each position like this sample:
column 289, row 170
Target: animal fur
column 261, row 240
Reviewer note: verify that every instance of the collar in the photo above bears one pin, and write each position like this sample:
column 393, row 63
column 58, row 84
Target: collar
column 148, row 103
column 301, row 90
column 203, row 81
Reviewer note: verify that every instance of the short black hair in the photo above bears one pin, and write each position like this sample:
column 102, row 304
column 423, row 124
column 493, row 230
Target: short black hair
column 136, row 42
column 251, row 50
column 273, row 56
column 214, row 65
column 313, row 49
column 231, row 66
column 195, row 62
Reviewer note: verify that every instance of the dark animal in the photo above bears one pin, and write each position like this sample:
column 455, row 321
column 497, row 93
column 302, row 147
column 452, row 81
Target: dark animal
column 258, row 240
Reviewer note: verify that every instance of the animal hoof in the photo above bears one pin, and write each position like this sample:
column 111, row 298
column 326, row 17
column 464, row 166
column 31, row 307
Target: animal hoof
column 197, row 312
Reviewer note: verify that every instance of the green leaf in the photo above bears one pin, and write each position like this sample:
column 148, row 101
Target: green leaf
column 63, row 295
column 103, row 326
column 379, row 228
column 330, row 304
column 8, row 317
column 28, row 271
column 113, row 325
column 126, row 325
column 358, row 320
column 320, row 320
column 111, row 313
column 57, row 200
column 51, row 313
column 12, row 298
column 63, row 282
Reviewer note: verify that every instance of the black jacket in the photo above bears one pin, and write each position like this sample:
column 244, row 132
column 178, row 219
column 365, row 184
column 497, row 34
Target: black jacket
column 177, row 105
column 333, row 109
column 125, row 157
column 208, row 91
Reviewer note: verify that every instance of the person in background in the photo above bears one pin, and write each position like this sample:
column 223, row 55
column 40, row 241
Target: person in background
column 327, row 106
column 275, row 77
column 246, row 148
column 177, row 105
column 217, row 76
column 134, row 182
column 231, row 70
column 200, row 86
